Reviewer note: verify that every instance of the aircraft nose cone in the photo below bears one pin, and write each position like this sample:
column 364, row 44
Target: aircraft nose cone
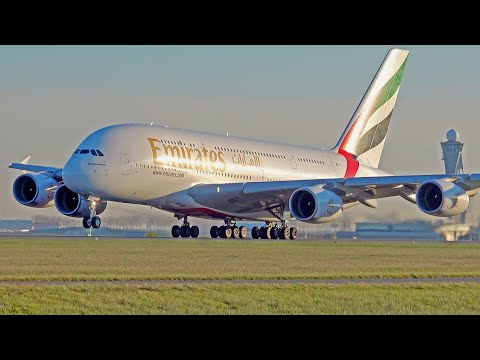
column 72, row 175
column 68, row 173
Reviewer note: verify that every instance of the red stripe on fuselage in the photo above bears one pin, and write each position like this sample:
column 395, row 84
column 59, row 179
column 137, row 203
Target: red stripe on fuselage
column 352, row 164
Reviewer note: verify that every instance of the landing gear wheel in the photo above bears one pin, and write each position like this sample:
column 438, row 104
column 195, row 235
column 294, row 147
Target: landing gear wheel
column 87, row 223
column 255, row 232
column 281, row 233
column 195, row 231
column 185, row 231
column 243, row 232
column 236, row 232
column 96, row 222
column 228, row 232
column 214, row 232
column 274, row 233
column 267, row 233
column 176, row 231
column 286, row 231
column 293, row 233
column 263, row 233
column 221, row 232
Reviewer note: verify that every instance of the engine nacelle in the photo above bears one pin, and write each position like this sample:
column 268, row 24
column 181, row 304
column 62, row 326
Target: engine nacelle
column 315, row 205
column 31, row 190
column 442, row 198
column 71, row 204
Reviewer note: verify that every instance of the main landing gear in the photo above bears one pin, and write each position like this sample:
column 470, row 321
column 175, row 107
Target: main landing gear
column 229, row 230
column 93, row 220
column 185, row 230
column 271, row 231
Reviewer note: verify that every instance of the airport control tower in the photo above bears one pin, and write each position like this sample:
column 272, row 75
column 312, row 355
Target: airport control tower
column 452, row 158
column 452, row 153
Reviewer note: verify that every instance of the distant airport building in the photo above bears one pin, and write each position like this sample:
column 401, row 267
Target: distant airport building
column 16, row 225
column 412, row 230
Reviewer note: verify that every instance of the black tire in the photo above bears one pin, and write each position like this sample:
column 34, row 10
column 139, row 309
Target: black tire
column 293, row 233
column 243, row 232
column 214, row 232
column 236, row 232
column 263, row 233
column 255, row 232
column 176, row 231
column 96, row 222
column 274, row 233
column 86, row 224
column 185, row 231
column 228, row 232
column 195, row 231
column 221, row 232
column 281, row 234
column 287, row 233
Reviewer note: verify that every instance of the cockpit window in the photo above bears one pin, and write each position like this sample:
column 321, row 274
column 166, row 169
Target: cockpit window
column 77, row 151
column 99, row 153
column 93, row 152
column 84, row 151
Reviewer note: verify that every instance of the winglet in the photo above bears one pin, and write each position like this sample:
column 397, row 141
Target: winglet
column 25, row 162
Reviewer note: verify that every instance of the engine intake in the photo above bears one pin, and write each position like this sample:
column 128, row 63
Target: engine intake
column 442, row 198
column 31, row 190
column 315, row 205
column 71, row 204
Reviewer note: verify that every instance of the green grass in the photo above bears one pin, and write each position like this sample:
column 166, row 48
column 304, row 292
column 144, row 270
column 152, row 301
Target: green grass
column 241, row 299
column 144, row 259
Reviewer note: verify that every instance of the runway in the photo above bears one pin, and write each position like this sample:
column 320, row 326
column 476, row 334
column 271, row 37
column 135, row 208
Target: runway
column 246, row 282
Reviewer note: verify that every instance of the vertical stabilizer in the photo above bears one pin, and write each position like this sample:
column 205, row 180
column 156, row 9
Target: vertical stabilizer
column 364, row 137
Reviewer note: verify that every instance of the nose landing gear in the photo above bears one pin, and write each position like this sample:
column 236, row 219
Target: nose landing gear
column 93, row 220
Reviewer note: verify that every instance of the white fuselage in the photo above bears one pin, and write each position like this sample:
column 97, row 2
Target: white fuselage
column 145, row 164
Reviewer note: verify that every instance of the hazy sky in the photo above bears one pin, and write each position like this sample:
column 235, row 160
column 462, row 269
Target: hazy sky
column 52, row 97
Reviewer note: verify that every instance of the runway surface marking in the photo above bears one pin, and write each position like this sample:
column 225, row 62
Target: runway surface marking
column 257, row 282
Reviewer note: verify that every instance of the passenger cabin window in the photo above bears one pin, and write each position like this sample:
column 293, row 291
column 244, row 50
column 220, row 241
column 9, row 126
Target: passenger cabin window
column 84, row 151
column 93, row 152
column 99, row 153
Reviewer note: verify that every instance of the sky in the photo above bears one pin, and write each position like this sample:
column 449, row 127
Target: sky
column 52, row 97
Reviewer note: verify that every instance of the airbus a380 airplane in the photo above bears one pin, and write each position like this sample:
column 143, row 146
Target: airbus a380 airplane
column 195, row 174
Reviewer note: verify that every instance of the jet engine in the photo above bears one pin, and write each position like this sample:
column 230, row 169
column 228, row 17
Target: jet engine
column 315, row 205
column 31, row 190
column 71, row 204
column 442, row 198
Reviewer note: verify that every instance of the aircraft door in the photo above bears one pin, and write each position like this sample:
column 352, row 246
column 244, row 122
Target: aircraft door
column 125, row 164
column 293, row 161
column 331, row 167
column 260, row 174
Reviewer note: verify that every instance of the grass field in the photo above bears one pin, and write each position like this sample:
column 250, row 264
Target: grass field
column 148, row 259
column 242, row 299
column 89, row 259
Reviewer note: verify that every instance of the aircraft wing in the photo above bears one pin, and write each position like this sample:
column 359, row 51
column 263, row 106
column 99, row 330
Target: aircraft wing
column 272, row 196
column 50, row 171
